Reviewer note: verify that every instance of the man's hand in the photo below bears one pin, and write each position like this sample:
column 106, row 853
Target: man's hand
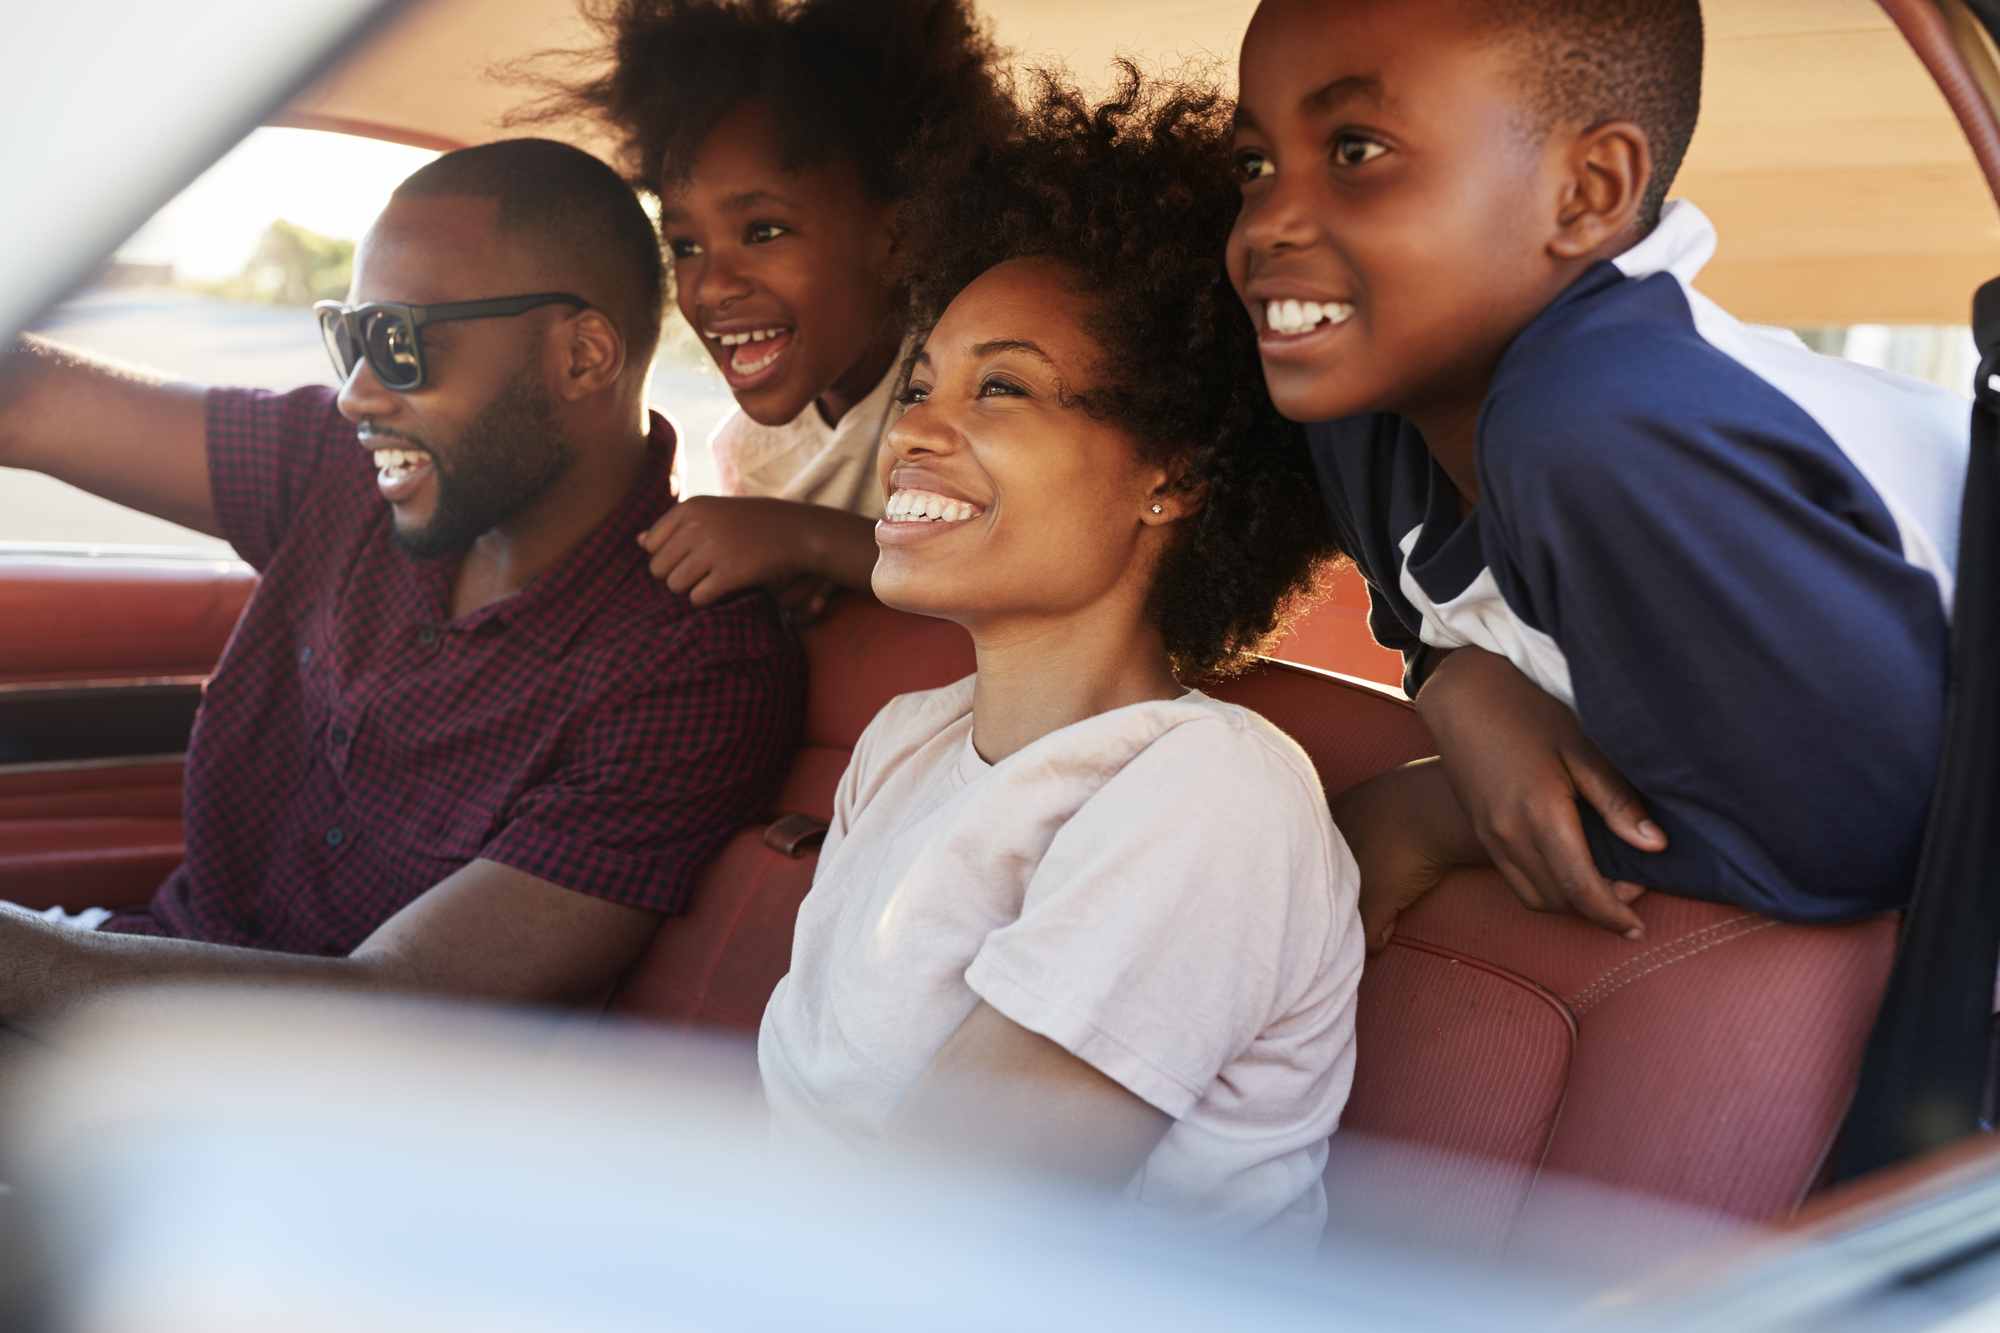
column 1518, row 761
column 709, row 546
column 1406, row 831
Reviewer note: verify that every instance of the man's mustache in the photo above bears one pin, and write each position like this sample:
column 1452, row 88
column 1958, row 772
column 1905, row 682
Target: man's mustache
column 367, row 432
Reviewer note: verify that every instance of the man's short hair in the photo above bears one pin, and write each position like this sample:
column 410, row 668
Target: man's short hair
column 571, row 207
column 1590, row 61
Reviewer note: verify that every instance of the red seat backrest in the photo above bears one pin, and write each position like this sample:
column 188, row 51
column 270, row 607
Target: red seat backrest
column 717, row 963
column 1708, row 1065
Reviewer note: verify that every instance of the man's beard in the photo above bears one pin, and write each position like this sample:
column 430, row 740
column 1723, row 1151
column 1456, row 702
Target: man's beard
column 503, row 462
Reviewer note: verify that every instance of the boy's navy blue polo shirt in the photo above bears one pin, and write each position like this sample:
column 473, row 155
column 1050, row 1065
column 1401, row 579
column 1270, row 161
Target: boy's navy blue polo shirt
column 1731, row 556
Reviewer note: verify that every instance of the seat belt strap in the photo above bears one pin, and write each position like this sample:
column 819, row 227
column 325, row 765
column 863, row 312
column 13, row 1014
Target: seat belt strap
column 1923, row 1079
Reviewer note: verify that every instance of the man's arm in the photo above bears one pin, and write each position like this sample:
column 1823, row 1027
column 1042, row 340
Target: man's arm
column 486, row 932
column 125, row 435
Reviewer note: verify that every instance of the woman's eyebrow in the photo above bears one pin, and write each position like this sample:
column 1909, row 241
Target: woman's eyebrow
column 1012, row 345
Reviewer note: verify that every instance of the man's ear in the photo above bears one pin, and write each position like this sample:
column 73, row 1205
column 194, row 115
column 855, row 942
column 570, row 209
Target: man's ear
column 1608, row 167
column 589, row 354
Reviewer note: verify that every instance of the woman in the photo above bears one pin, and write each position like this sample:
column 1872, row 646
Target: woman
column 1073, row 915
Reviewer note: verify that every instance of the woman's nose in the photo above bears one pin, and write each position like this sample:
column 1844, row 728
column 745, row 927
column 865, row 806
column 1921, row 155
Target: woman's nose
column 921, row 430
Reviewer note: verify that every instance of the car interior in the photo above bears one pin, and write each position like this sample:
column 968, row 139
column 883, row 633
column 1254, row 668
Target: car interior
column 1710, row 1066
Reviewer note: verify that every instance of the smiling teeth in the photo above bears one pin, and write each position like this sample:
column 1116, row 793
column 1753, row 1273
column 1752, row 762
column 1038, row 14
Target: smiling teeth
column 394, row 463
column 1299, row 316
column 923, row 506
column 754, row 336
column 742, row 367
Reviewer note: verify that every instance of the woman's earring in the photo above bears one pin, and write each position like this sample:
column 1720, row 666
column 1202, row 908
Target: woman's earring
column 1156, row 509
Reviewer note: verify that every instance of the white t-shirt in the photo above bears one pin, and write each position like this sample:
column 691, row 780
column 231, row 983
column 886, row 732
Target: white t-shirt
column 1158, row 889
column 805, row 459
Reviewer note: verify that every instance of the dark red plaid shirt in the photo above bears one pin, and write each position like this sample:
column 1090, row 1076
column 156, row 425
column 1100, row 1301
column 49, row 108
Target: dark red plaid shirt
column 357, row 744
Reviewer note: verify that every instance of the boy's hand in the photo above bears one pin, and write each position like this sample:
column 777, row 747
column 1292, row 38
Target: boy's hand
column 1406, row 831
column 1518, row 761
column 709, row 546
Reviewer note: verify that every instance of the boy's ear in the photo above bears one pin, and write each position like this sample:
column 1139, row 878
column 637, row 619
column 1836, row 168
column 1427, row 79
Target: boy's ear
column 1608, row 166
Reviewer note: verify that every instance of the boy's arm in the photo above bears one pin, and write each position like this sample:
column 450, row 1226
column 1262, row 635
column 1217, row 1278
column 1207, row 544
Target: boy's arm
column 1518, row 762
column 1745, row 640
column 709, row 546
column 127, row 436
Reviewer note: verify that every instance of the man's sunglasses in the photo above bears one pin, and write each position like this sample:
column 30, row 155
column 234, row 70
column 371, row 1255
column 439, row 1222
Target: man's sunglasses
column 385, row 332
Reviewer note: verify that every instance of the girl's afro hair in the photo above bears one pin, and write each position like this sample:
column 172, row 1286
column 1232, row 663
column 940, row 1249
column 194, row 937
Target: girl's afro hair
column 861, row 79
column 1135, row 196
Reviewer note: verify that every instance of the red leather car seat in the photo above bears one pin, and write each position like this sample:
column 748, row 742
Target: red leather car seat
column 1709, row 1064
column 717, row 963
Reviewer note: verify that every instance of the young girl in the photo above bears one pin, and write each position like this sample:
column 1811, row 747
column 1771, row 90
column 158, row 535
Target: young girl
column 1073, row 915
column 770, row 133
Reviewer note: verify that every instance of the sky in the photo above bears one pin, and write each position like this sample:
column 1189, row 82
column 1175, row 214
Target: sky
column 333, row 184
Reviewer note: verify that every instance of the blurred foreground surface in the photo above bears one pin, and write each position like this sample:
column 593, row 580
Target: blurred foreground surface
column 249, row 1161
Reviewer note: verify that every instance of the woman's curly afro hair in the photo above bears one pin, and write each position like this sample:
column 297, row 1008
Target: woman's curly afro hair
column 861, row 79
column 1135, row 197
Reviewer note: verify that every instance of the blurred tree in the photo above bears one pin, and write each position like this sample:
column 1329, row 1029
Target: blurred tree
column 292, row 266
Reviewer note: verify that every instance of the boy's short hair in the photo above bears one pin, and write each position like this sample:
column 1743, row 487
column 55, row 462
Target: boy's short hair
column 861, row 79
column 1589, row 61
column 566, row 203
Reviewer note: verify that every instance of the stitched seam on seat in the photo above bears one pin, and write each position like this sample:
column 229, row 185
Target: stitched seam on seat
column 1679, row 941
column 1738, row 928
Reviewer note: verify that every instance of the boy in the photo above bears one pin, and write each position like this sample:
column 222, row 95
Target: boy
column 1614, row 531
column 771, row 133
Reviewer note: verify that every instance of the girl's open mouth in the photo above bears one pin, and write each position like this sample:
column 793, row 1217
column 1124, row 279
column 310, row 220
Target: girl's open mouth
column 750, row 353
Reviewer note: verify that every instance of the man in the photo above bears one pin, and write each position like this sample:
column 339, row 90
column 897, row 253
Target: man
column 461, row 741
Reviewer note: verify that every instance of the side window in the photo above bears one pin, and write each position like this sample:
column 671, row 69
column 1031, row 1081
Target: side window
column 216, row 287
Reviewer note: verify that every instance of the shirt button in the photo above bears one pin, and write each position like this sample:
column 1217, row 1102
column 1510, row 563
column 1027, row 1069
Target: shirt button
column 338, row 735
column 305, row 655
column 427, row 636
column 253, row 928
column 334, row 837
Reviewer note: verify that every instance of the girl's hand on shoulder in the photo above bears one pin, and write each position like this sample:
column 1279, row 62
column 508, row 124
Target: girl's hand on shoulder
column 710, row 546
column 1519, row 761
